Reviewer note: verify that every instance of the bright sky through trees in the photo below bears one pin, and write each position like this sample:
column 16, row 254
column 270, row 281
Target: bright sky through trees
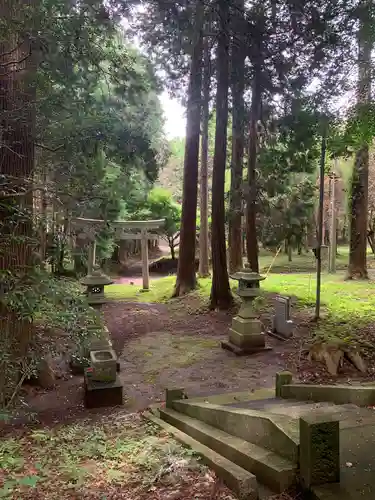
column 175, row 121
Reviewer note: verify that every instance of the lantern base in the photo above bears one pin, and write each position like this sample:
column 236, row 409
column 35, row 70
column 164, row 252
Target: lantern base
column 102, row 394
column 243, row 351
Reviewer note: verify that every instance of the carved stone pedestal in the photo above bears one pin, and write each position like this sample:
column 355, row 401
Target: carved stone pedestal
column 246, row 335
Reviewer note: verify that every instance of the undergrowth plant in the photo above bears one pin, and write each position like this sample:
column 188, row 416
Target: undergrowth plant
column 44, row 306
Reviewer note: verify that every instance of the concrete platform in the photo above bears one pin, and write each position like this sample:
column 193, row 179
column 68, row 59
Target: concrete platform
column 260, row 433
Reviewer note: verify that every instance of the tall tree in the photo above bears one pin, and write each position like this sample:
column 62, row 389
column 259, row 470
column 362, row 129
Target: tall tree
column 255, row 116
column 238, row 138
column 360, row 177
column 18, row 62
column 186, row 277
column 221, row 296
column 204, row 269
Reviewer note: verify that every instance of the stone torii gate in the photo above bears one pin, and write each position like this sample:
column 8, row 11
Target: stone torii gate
column 142, row 227
column 89, row 228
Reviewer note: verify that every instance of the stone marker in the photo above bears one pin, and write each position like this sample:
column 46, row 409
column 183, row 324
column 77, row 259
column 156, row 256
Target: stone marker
column 246, row 335
column 319, row 450
column 281, row 322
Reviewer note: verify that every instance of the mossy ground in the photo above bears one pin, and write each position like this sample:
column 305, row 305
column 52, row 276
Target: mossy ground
column 117, row 457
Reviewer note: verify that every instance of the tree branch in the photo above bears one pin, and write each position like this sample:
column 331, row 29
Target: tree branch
column 13, row 63
column 46, row 148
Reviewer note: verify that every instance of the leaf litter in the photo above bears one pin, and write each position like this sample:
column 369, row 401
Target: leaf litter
column 115, row 457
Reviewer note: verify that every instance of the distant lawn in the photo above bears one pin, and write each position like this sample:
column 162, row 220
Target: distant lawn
column 305, row 262
column 347, row 305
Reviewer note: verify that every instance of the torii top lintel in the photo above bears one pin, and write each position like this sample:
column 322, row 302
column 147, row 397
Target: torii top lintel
column 131, row 224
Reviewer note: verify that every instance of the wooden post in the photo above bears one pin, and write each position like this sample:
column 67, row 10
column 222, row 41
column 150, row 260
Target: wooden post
column 145, row 264
column 91, row 257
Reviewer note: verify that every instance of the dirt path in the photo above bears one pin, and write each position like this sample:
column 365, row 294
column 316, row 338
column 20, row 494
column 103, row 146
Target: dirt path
column 161, row 346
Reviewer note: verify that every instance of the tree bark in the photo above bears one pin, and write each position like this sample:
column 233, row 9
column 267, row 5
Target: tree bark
column 290, row 251
column 221, row 296
column 371, row 241
column 238, row 141
column 172, row 247
column 359, row 188
column 186, row 277
column 251, row 230
column 204, row 268
column 17, row 101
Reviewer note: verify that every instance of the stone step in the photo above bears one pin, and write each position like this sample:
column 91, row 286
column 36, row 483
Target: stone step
column 297, row 410
column 241, row 481
column 270, row 469
column 276, row 433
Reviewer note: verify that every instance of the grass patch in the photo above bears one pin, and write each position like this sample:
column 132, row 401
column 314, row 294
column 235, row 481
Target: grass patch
column 157, row 294
column 171, row 351
column 347, row 305
column 86, row 460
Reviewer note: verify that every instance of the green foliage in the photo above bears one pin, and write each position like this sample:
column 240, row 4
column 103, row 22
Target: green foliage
column 288, row 161
column 162, row 206
column 171, row 176
column 288, row 214
column 42, row 305
column 107, row 136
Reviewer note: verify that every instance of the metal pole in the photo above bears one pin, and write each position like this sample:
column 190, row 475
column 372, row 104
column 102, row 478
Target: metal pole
column 333, row 242
column 320, row 226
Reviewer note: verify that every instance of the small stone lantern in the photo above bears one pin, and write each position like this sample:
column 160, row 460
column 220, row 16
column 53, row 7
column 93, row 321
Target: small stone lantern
column 95, row 283
column 246, row 335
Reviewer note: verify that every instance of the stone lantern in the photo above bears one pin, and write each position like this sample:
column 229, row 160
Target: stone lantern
column 95, row 283
column 246, row 335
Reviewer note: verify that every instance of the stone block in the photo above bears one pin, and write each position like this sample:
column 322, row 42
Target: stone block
column 282, row 378
column 338, row 394
column 246, row 340
column 319, row 450
column 247, row 326
column 174, row 395
column 104, row 365
column 102, row 394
